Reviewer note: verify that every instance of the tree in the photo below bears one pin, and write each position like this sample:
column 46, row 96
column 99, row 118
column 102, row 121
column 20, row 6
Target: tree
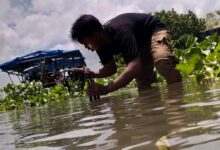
column 181, row 24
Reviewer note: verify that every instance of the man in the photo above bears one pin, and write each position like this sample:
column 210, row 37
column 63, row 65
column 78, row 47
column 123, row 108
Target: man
column 141, row 39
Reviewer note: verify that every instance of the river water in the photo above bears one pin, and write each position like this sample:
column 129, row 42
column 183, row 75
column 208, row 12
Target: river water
column 181, row 117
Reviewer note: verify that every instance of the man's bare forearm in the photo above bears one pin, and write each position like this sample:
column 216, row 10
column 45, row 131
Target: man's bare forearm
column 125, row 77
column 103, row 73
column 106, row 71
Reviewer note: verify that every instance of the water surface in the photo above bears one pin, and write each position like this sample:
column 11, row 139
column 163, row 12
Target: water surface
column 185, row 117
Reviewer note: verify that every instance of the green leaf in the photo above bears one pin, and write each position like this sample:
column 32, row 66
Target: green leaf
column 191, row 40
column 217, row 52
column 193, row 59
column 204, row 44
column 200, row 77
column 185, row 69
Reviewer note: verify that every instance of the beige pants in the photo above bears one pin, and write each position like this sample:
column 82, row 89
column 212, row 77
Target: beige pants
column 160, row 55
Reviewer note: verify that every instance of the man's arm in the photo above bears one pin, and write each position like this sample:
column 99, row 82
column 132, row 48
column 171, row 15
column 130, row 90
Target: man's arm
column 106, row 71
column 130, row 72
column 122, row 80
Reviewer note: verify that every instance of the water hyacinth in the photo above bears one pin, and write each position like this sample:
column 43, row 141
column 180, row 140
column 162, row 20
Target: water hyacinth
column 200, row 60
column 32, row 94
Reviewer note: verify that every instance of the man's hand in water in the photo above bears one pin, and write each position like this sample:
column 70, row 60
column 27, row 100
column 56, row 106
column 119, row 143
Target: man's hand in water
column 97, row 89
column 84, row 70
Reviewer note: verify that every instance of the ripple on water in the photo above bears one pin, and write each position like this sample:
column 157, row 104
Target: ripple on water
column 188, row 120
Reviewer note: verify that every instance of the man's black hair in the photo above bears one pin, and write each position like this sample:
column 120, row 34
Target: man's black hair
column 85, row 25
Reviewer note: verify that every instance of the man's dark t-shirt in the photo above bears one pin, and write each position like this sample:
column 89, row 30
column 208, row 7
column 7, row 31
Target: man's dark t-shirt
column 129, row 33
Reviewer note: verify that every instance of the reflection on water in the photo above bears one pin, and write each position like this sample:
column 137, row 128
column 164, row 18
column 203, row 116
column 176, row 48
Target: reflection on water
column 175, row 117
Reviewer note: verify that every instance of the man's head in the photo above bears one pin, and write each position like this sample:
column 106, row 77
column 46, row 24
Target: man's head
column 88, row 31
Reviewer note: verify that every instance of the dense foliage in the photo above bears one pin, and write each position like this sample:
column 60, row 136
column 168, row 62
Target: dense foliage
column 181, row 24
column 200, row 59
column 32, row 94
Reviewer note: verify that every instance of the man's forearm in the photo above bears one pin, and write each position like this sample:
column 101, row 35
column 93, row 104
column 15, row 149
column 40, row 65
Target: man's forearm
column 125, row 77
column 122, row 80
column 103, row 73
column 107, row 70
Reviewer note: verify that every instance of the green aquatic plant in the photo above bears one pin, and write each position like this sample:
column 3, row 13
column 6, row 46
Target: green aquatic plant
column 200, row 60
column 32, row 94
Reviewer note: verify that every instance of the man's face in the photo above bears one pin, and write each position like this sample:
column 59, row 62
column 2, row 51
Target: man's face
column 92, row 42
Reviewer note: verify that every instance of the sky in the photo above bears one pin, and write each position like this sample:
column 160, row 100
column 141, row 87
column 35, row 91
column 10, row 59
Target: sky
column 30, row 25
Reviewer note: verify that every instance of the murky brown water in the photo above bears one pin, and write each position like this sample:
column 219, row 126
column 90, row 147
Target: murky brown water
column 182, row 117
